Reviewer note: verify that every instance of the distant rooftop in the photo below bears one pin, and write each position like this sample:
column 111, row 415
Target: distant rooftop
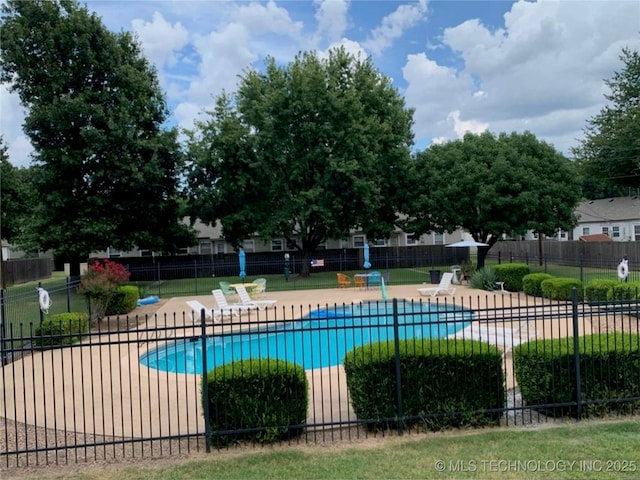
column 609, row 209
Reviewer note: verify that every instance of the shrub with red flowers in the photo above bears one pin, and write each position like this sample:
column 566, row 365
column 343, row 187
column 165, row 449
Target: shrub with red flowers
column 99, row 284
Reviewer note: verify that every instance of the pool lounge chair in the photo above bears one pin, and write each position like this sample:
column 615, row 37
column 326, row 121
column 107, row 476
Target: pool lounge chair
column 226, row 308
column 502, row 336
column 444, row 287
column 248, row 301
column 196, row 311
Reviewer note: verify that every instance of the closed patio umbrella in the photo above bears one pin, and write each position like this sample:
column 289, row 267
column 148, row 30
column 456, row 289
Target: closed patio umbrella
column 241, row 260
column 366, row 263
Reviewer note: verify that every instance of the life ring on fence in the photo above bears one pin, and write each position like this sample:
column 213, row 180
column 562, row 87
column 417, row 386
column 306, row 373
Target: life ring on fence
column 44, row 300
column 623, row 270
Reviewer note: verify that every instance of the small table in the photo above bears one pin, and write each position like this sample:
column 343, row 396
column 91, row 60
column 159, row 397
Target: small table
column 455, row 278
column 249, row 286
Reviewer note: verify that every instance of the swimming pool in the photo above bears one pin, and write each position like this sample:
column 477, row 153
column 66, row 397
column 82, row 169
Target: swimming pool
column 319, row 340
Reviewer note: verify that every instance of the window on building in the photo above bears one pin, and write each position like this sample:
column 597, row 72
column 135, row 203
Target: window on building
column 616, row 231
column 585, row 230
column 380, row 242
column 358, row 241
column 605, row 230
column 410, row 239
column 249, row 245
column 393, row 241
column 276, row 245
column 205, row 247
column 220, row 247
column 438, row 239
column 636, row 232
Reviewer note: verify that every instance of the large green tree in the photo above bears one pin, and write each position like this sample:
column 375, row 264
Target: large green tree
column 611, row 147
column 106, row 170
column 492, row 185
column 304, row 152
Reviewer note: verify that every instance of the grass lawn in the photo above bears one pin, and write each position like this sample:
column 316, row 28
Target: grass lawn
column 589, row 449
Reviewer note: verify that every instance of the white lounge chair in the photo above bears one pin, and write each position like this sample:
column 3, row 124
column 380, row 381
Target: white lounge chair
column 197, row 308
column 248, row 301
column 444, row 287
column 226, row 308
column 499, row 335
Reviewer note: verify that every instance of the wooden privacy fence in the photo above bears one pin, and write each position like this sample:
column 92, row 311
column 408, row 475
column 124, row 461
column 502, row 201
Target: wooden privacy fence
column 24, row 270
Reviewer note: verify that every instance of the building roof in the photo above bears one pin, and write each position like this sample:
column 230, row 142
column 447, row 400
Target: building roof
column 609, row 210
column 595, row 237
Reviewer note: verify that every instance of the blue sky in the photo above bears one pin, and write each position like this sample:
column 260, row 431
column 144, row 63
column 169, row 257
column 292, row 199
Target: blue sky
column 462, row 65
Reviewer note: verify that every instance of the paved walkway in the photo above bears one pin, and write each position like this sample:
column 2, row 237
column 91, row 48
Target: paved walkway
column 102, row 388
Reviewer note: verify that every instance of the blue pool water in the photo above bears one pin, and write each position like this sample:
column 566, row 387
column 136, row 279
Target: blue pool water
column 319, row 340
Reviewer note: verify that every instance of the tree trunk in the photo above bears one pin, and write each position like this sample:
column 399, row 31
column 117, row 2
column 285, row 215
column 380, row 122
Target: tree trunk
column 482, row 254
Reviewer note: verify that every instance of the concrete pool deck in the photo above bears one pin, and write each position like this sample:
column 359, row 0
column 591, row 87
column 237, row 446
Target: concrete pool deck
column 63, row 388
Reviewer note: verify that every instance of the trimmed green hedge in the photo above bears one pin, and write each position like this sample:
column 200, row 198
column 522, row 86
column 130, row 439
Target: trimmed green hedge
column 559, row 288
column 61, row 329
column 124, row 300
column 512, row 274
column 267, row 397
column 532, row 283
column 609, row 371
column 444, row 383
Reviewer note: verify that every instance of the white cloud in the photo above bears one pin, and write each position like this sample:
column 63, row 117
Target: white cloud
column 394, row 25
column 260, row 18
column 12, row 116
column 160, row 39
column 465, row 126
column 331, row 16
column 543, row 71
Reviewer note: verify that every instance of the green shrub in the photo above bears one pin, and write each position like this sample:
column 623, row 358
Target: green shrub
column 559, row 288
column 484, row 279
column 625, row 291
column 61, row 329
column 444, row 383
column 599, row 290
column 124, row 300
column 512, row 274
column 609, row 372
column 267, row 398
column 532, row 283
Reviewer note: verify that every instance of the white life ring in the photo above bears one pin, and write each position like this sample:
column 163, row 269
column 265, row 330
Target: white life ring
column 623, row 270
column 44, row 300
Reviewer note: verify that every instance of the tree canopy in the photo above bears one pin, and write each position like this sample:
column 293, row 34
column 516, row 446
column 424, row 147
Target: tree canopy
column 611, row 147
column 105, row 170
column 492, row 185
column 303, row 152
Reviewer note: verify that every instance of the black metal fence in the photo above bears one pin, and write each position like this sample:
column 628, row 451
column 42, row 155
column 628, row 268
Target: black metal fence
column 132, row 387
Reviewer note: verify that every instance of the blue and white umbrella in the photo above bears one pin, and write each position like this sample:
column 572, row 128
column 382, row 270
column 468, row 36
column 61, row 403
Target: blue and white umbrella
column 366, row 256
column 241, row 260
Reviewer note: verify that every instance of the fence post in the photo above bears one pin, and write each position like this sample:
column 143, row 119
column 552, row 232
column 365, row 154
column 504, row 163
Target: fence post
column 68, row 291
column 158, row 278
column 499, row 258
column 195, row 273
column 205, row 385
column 3, row 331
column 40, row 309
column 576, row 353
column 581, row 268
column 396, row 349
